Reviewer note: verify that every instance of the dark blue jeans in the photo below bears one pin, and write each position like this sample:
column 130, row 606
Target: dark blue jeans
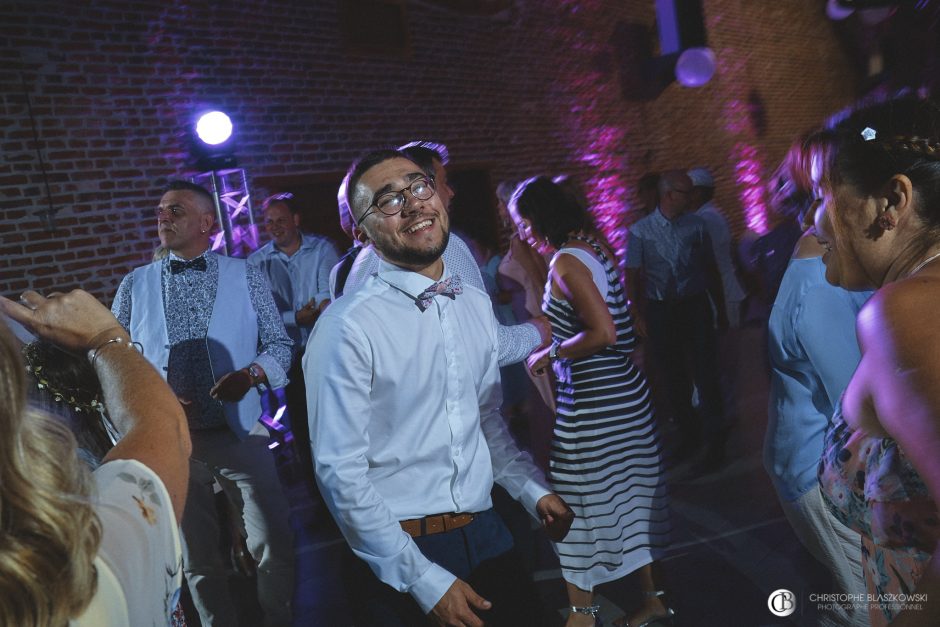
column 481, row 554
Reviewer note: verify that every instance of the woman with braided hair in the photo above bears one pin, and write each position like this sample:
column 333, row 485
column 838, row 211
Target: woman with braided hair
column 876, row 178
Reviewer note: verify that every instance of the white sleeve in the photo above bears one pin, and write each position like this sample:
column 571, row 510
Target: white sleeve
column 513, row 469
column 140, row 541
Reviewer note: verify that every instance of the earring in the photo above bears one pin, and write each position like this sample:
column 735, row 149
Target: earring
column 202, row 231
column 886, row 221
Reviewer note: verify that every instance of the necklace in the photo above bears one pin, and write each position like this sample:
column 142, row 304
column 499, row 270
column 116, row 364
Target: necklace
column 923, row 263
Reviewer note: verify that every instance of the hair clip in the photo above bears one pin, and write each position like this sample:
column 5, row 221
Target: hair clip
column 868, row 133
column 283, row 196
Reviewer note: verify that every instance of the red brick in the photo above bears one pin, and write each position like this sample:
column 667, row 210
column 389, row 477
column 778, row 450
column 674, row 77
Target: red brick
column 535, row 92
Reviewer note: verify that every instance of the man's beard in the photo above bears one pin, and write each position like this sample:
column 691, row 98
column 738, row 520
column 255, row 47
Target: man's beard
column 414, row 257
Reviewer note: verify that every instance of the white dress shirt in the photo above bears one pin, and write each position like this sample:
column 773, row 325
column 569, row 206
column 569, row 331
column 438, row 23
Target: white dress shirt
column 405, row 423
column 297, row 279
column 515, row 342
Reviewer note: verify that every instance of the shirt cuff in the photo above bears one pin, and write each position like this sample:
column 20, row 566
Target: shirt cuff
column 431, row 586
column 275, row 375
column 532, row 491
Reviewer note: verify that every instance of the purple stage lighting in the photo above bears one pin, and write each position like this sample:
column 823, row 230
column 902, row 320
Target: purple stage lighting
column 214, row 128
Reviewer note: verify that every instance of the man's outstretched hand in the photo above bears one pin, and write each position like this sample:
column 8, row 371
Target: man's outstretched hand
column 455, row 609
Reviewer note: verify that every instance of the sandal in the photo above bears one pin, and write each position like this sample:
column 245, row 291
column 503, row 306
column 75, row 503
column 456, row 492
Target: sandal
column 666, row 619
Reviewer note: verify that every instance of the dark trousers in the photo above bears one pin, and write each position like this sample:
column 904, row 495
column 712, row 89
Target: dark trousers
column 296, row 399
column 685, row 347
column 480, row 554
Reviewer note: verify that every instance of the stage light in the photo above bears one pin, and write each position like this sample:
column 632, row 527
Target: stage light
column 214, row 128
column 212, row 141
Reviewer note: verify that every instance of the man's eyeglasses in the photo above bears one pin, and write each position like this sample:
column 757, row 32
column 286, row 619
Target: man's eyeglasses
column 392, row 203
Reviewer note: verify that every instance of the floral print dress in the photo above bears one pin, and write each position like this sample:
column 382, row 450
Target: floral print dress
column 139, row 559
column 871, row 487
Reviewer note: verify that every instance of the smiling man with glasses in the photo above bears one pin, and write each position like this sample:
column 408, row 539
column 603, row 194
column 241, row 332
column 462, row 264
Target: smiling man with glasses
column 404, row 394
column 516, row 342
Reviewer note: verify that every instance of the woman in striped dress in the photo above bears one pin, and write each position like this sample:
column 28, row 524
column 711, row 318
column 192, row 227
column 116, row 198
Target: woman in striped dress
column 605, row 456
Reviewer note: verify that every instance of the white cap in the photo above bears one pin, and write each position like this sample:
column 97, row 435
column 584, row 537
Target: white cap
column 701, row 177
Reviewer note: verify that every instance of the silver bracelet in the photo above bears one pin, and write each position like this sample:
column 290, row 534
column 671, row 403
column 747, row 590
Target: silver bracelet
column 590, row 610
column 114, row 340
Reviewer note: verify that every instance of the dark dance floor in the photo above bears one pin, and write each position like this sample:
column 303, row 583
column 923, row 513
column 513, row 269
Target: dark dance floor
column 731, row 546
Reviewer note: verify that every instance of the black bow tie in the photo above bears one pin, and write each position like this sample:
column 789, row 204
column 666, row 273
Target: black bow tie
column 177, row 266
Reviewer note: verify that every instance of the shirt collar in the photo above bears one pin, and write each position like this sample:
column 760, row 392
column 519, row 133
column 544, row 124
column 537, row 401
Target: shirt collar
column 663, row 221
column 306, row 243
column 172, row 255
column 407, row 281
column 659, row 218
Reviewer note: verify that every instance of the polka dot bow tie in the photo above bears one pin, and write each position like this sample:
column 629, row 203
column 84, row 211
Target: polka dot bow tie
column 449, row 287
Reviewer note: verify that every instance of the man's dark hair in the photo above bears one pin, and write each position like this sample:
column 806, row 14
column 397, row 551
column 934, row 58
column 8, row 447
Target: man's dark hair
column 554, row 212
column 424, row 153
column 284, row 198
column 180, row 185
column 360, row 166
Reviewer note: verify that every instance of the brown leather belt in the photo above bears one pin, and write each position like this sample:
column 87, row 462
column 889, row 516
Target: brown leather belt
column 437, row 523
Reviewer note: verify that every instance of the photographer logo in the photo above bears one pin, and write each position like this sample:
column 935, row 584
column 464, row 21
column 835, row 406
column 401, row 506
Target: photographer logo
column 781, row 602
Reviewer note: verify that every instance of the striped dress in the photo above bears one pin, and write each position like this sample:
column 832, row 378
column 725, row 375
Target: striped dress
column 605, row 454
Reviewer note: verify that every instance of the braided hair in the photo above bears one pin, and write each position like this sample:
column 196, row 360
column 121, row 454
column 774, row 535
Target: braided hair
column 866, row 146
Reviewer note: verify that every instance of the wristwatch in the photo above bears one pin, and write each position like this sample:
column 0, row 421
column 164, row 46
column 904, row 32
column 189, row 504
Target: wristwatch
column 553, row 351
column 254, row 371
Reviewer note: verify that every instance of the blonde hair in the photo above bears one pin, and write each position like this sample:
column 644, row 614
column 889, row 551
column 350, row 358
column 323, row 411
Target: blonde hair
column 49, row 532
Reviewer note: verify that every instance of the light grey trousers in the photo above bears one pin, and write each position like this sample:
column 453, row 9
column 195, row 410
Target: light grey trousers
column 837, row 547
column 246, row 472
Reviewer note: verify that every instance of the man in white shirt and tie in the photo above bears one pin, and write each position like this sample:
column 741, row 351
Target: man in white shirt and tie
column 403, row 393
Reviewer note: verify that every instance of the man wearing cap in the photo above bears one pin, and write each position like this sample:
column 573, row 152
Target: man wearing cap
column 403, row 392
column 703, row 204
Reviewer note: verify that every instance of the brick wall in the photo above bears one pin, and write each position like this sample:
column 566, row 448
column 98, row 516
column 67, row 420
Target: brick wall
column 112, row 86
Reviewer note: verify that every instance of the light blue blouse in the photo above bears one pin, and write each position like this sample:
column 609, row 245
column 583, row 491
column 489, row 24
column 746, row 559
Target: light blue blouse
column 813, row 354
